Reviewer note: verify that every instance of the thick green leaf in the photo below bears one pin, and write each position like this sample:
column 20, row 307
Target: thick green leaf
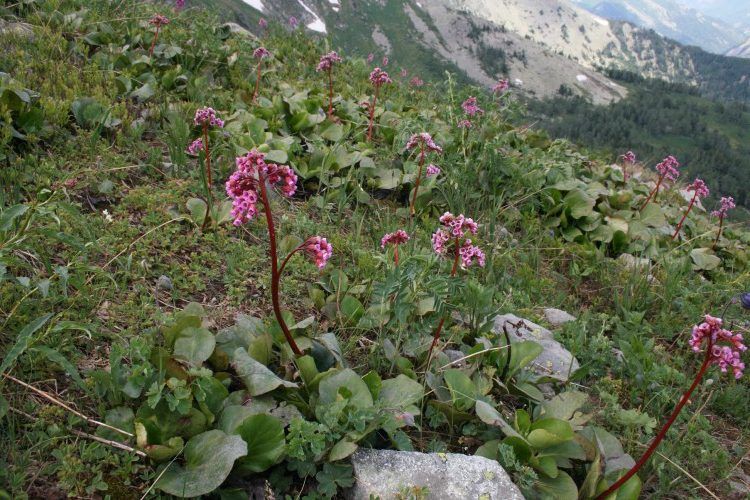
column 9, row 215
column 194, row 345
column 209, row 458
column 579, row 204
column 549, row 432
column 400, row 392
column 653, row 216
column 523, row 353
column 463, row 392
column 704, row 259
column 23, row 341
column 257, row 378
column 348, row 383
column 266, row 445
column 491, row 416
column 342, row 450
column 561, row 487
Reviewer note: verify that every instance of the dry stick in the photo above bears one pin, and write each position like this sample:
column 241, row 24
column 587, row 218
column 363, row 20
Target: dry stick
column 663, row 431
column 274, row 269
column 701, row 485
column 65, row 406
column 114, row 444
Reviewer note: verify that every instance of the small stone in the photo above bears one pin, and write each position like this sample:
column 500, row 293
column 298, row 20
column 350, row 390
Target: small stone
column 386, row 474
column 557, row 317
column 554, row 362
column 164, row 283
column 633, row 262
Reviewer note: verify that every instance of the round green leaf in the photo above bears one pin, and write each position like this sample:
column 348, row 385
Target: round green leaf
column 194, row 345
column 209, row 458
column 348, row 383
column 264, row 436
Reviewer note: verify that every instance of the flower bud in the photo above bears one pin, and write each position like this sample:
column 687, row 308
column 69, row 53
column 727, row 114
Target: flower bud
column 745, row 300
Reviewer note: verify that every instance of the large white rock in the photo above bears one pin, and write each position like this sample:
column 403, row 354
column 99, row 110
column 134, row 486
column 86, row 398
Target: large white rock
column 555, row 361
column 557, row 317
column 386, row 474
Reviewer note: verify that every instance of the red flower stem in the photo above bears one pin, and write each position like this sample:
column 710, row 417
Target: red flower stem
column 664, row 429
column 208, row 155
column 372, row 113
column 682, row 221
column 721, row 228
column 395, row 254
column 652, row 194
column 275, row 274
column 330, row 93
column 419, row 179
column 257, row 82
column 153, row 42
column 439, row 328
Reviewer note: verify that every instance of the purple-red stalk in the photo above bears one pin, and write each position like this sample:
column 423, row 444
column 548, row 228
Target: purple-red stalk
column 153, row 42
column 372, row 113
column 257, row 81
column 275, row 272
column 439, row 329
column 655, row 443
column 330, row 93
column 419, row 179
column 684, row 216
column 653, row 193
column 721, row 228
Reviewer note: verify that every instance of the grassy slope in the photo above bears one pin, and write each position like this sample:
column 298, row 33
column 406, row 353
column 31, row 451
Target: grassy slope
column 112, row 267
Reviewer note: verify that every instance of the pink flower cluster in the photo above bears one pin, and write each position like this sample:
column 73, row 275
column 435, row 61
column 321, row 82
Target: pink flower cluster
column 261, row 53
column 669, row 168
column 727, row 204
column 327, row 61
column 726, row 346
column 501, row 86
column 319, row 250
column 395, row 238
column 370, row 57
column 378, row 77
column 459, row 225
column 416, row 82
column 208, row 116
column 471, row 107
column 432, row 170
column 385, row 61
column 628, row 157
column 242, row 186
column 423, row 139
column 195, row 147
column 179, row 4
column 464, row 124
column 699, row 187
column 470, row 253
column 158, row 20
column 262, row 23
column 293, row 22
column 404, row 73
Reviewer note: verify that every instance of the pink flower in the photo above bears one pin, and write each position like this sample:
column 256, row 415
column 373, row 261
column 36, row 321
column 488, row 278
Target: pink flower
column 423, row 139
column 370, row 57
column 501, row 86
column 395, row 238
column 293, row 22
column 195, row 147
column 385, row 60
column 432, row 170
column 727, row 204
column 439, row 240
column 261, row 53
column 416, row 82
column 327, row 61
column 207, row 116
column 726, row 346
column 404, row 73
column 179, row 4
column 319, row 250
column 471, row 107
column 470, row 254
column 262, row 23
column 464, row 124
column 459, row 225
column 378, row 77
column 669, row 168
column 699, row 187
column 158, row 20
column 242, row 186
column 628, row 157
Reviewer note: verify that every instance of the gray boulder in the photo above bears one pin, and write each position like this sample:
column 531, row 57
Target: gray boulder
column 387, row 475
column 557, row 317
column 555, row 361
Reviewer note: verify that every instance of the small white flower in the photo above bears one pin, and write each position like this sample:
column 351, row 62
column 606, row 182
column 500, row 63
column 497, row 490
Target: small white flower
column 107, row 216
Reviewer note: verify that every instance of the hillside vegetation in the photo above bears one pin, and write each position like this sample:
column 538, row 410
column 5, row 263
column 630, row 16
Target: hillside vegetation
column 175, row 323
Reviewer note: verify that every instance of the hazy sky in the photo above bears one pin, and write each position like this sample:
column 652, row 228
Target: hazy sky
column 722, row 7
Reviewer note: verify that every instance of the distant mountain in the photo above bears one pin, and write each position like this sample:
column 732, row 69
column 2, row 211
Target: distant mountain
column 672, row 19
column 741, row 50
column 734, row 12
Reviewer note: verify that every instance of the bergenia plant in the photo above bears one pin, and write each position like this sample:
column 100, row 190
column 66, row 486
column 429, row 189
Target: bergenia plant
column 251, row 183
column 326, row 64
column 727, row 204
column 628, row 159
column 395, row 239
column 722, row 348
column 471, row 108
column 378, row 78
column 668, row 171
column 426, row 145
column 157, row 22
column 262, row 23
column 179, row 4
column 700, row 190
column 501, row 87
column 259, row 54
column 293, row 22
column 205, row 118
column 416, row 82
column 453, row 240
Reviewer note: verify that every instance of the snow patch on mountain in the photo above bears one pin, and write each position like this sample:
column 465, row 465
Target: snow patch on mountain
column 255, row 4
column 317, row 24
